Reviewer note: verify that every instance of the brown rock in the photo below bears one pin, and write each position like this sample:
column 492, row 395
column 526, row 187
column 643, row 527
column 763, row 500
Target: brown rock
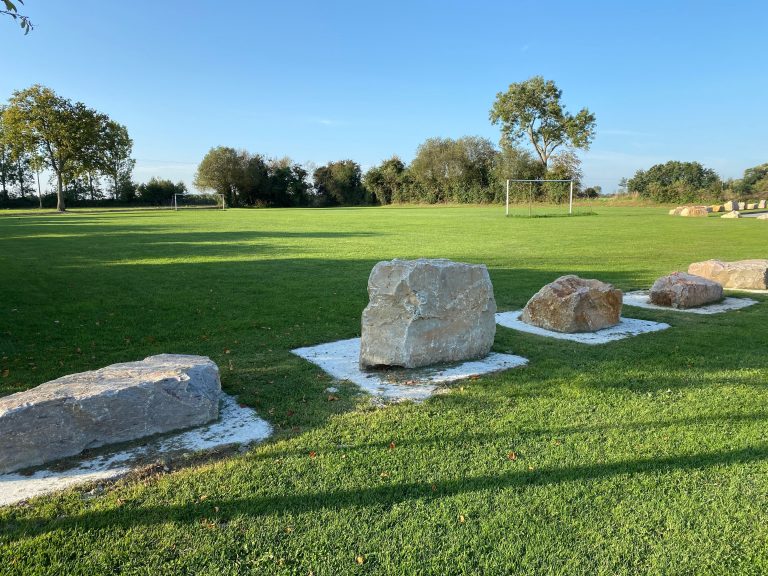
column 745, row 274
column 573, row 304
column 681, row 290
column 717, row 208
column 694, row 211
column 752, row 206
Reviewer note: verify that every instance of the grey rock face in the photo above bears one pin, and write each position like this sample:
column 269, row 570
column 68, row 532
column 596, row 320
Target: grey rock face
column 572, row 304
column 681, row 290
column 424, row 312
column 746, row 274
column 114, row 404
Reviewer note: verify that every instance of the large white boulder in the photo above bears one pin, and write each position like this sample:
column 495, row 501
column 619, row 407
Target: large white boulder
column 114, row 404
column 745, row 274
column 424, row 312
column 573, row 304
column 681, row 290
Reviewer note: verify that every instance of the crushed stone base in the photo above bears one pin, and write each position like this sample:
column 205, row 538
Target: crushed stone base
column 626, row 328
column 341, row 360
column 236, row 425
column 640, row 299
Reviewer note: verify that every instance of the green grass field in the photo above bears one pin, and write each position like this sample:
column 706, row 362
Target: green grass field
column 645, row 456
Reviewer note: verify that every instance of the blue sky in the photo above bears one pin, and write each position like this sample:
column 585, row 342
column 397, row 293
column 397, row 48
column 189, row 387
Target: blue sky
column 321, row 81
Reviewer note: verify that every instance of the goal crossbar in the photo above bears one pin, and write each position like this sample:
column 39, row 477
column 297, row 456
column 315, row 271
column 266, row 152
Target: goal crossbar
column 570, row 194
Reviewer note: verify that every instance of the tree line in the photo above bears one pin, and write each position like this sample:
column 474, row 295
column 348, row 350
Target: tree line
column 88, row 157
column 684, row 182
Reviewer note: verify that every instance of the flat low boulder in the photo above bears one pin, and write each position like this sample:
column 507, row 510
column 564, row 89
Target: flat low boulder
column 682, row 290
column 572, row 304
column 744, row 274
column 732, row 214
column 427, row 311
column 118, row 403
column 763, row 217
column 695, row 211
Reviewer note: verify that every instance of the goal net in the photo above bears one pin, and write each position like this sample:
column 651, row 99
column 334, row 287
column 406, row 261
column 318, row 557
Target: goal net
column 199, row 201
column 540, row 198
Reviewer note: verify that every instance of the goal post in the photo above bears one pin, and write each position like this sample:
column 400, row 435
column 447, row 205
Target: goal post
column 531, row 182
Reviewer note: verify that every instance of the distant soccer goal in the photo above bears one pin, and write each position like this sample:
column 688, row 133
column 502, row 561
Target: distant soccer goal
column 539, row 193
column 199, row 201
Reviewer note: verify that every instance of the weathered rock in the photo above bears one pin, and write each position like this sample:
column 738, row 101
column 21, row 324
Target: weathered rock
column 681, row 290
column 424, row 312
column 573, row 304
column 752, row 206
column 745, row 274
column 761, row 205
column 114, row 404
column 763, row 217
column 717, row 208
column 696, row 211
column 673, row 212
column 734, row 214
column 730, row 206
column 742, row 205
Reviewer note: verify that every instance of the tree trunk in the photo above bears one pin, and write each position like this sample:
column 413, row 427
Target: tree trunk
column 59, row 193
column 39, row 190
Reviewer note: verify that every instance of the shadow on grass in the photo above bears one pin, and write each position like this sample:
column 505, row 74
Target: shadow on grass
column 222, row 510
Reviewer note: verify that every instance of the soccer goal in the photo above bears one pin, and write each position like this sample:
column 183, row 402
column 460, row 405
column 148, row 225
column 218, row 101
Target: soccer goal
column 199, row 201
column 528, row 192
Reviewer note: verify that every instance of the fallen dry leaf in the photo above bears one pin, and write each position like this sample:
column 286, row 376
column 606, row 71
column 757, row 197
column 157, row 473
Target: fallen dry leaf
column 461, row 519
column 313, row 454
column 391, row 445
column 512, row 456
column 332, row 398
column 359, row 559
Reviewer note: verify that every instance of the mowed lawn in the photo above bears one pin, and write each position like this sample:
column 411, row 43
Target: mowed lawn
column 648, row 455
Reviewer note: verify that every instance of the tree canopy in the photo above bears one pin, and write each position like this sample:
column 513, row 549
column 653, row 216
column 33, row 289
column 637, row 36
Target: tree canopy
column 531, row 111
column 10, row 9
column 675, row 181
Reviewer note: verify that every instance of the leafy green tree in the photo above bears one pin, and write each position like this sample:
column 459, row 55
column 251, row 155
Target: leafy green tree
column 114, row 154
column 160, row 192
column 59, row 131
column 676, row 182
column 287, row 183
column 386, row 181
column 223, row 171
column 12, row 11
column 531, row 111
column 453, row 170
column 7, row 171
column 339, row 184
column 754, row 181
